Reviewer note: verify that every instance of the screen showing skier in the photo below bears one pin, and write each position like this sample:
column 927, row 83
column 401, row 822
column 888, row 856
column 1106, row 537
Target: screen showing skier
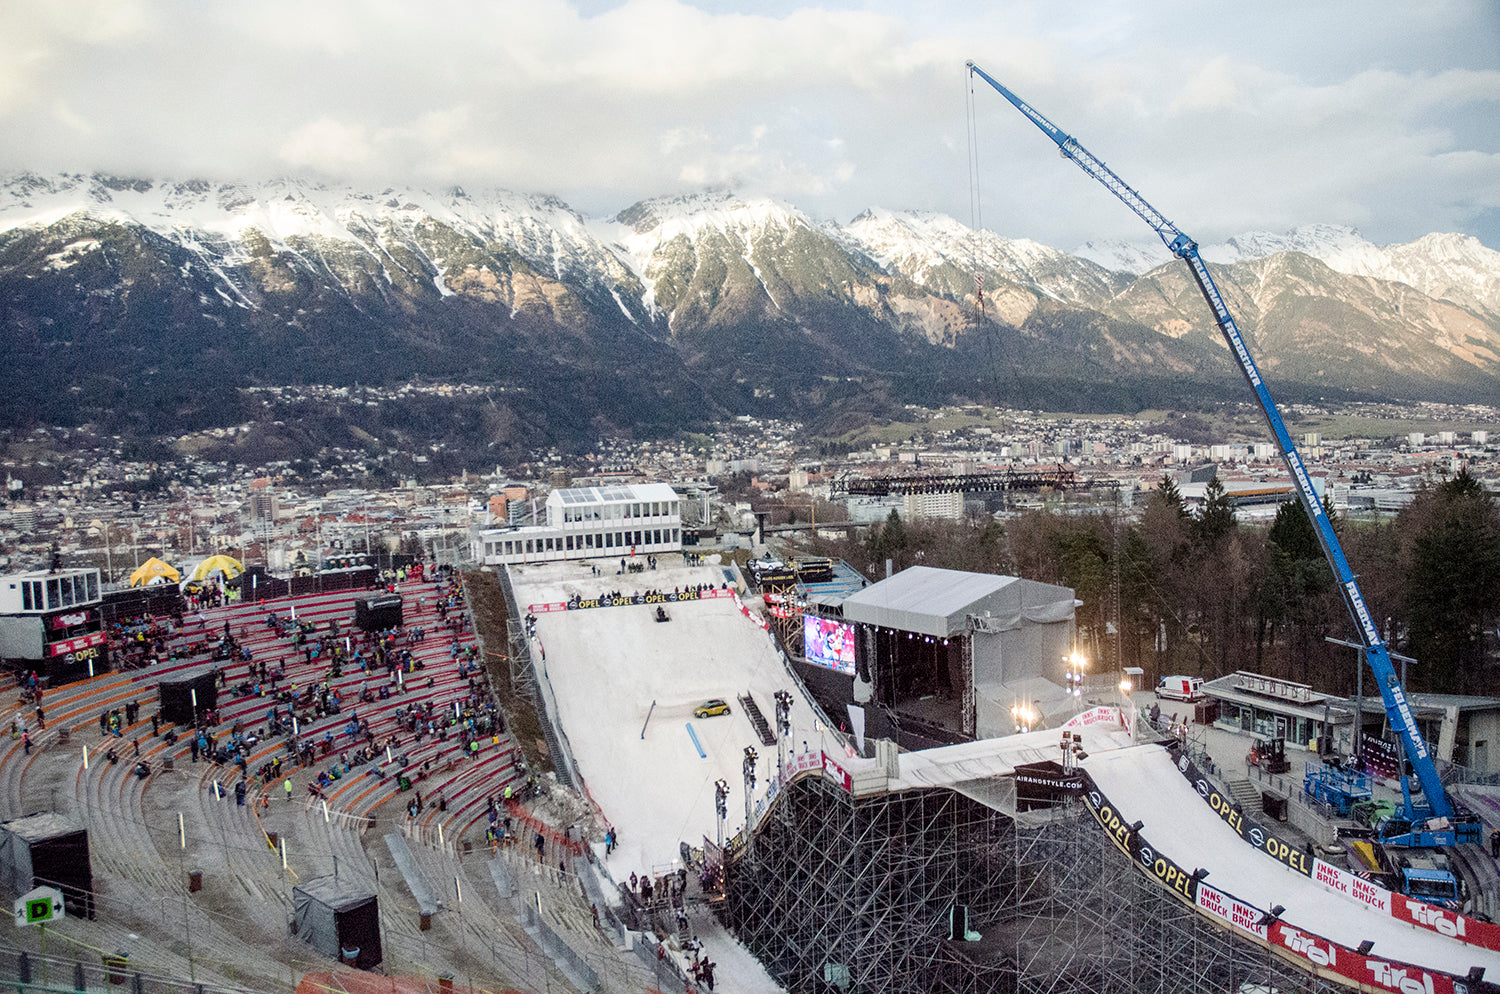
column 828, row 643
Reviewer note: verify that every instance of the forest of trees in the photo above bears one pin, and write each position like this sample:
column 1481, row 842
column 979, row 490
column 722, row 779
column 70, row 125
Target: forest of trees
column 1206, row 595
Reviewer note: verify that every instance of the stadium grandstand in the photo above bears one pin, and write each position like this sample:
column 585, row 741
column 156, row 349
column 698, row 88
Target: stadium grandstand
column 344, row 801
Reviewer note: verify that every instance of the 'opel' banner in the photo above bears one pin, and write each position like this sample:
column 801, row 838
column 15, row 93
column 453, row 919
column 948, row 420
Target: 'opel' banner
column 1258, row 836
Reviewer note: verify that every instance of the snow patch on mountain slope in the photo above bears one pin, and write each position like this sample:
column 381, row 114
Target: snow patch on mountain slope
column 1444, row 266
column 919, row 244
column 1136, row 258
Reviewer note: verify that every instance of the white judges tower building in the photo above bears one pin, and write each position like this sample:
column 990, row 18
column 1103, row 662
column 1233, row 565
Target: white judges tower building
column 591, row 523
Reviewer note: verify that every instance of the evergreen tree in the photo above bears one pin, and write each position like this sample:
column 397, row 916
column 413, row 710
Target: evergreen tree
column 1167, row 496
column 1217, row 519
column 1296, row 576
column 1451, row 555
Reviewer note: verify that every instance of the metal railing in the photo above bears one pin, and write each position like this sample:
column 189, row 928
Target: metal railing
column 28, row 971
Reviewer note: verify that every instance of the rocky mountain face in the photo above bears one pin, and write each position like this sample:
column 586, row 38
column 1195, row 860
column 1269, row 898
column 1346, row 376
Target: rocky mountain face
column 148, row 304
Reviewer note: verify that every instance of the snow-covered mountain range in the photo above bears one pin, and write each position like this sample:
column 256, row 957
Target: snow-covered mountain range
column 289, row 281
column 1443, row 266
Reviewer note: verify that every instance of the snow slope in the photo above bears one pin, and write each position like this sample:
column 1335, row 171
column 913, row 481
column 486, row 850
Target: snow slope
column 608, row 666
column 1143, row 784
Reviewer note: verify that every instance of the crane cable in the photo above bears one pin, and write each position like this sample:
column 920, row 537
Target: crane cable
column 976, row 221
column 976, row 243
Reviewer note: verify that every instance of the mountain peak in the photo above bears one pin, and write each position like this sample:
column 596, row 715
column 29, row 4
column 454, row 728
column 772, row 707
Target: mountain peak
column 713, row 208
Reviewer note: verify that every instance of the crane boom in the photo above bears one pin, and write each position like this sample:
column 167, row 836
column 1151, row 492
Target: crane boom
column 1398, row 709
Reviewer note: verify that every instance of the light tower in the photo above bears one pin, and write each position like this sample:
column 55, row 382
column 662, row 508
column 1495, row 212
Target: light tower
column 750, row 757
column 721, row 806
column 1076, row 664
column 783, row 727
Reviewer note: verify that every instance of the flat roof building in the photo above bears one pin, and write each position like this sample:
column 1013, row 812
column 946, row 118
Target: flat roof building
column 51, row 624
column 591, row 523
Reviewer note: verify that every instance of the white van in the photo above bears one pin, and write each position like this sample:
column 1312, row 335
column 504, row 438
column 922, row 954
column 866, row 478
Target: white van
column 1180, row 688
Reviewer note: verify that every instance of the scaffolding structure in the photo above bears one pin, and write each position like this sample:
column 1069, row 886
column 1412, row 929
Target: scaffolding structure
column 842, row 893
column 838, row 892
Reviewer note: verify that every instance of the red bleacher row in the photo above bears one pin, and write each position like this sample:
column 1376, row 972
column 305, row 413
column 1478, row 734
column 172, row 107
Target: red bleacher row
column 466, row 783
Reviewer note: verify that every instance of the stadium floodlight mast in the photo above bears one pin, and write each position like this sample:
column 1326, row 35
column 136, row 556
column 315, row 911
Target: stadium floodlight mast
column 1129, row 713
column 721, row 806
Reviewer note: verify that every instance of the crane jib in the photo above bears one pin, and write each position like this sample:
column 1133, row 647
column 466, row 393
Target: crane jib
column 1398, row 709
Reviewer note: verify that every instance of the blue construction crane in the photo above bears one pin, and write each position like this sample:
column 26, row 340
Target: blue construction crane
column 1437, row 821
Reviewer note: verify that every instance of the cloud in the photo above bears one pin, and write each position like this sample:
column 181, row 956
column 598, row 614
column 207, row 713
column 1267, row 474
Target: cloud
column 1237, row 116
column 327, row 146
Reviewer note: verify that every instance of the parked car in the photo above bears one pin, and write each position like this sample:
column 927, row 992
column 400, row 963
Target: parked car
column 709, row 709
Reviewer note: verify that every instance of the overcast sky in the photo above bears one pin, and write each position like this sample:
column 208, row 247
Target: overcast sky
column 1381, row 114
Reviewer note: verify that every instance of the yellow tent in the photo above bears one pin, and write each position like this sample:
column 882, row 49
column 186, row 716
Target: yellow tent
column 153, row 570
column 230, row 567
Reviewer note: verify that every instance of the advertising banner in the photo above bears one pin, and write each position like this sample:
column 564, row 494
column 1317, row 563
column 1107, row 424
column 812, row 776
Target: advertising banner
column 802, row 762
column 1230, row 910
column 1265, row 840
column 1152, row 863
column 1044, row 784
column 820, row 762
column 83, row 642
column 762, row 622
column 1449, row 923
column 580, row 603
column 1095, row 716
column 1469, row 930
column 831, row 767
column 1341, row 881
column 1372, row 973
column 70, row 620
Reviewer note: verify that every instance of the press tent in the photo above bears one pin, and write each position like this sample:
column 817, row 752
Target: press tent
column 154, row 570
column 46, row 848
column 338, row 918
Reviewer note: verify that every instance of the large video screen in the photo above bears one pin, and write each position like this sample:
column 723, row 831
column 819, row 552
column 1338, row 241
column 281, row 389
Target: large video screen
column 828, row 643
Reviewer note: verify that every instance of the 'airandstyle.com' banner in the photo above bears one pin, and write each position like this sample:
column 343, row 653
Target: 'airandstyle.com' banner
column 629, row 600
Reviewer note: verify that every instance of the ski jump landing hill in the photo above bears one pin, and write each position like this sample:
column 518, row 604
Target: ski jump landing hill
column 626, row 686
column 1176, row 825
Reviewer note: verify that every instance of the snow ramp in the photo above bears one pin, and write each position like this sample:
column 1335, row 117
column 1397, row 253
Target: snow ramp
column 1189, row 837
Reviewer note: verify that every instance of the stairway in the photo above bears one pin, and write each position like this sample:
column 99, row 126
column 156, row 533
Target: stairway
column 1481, row 875
column 762, row 727
column 1244, row 794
